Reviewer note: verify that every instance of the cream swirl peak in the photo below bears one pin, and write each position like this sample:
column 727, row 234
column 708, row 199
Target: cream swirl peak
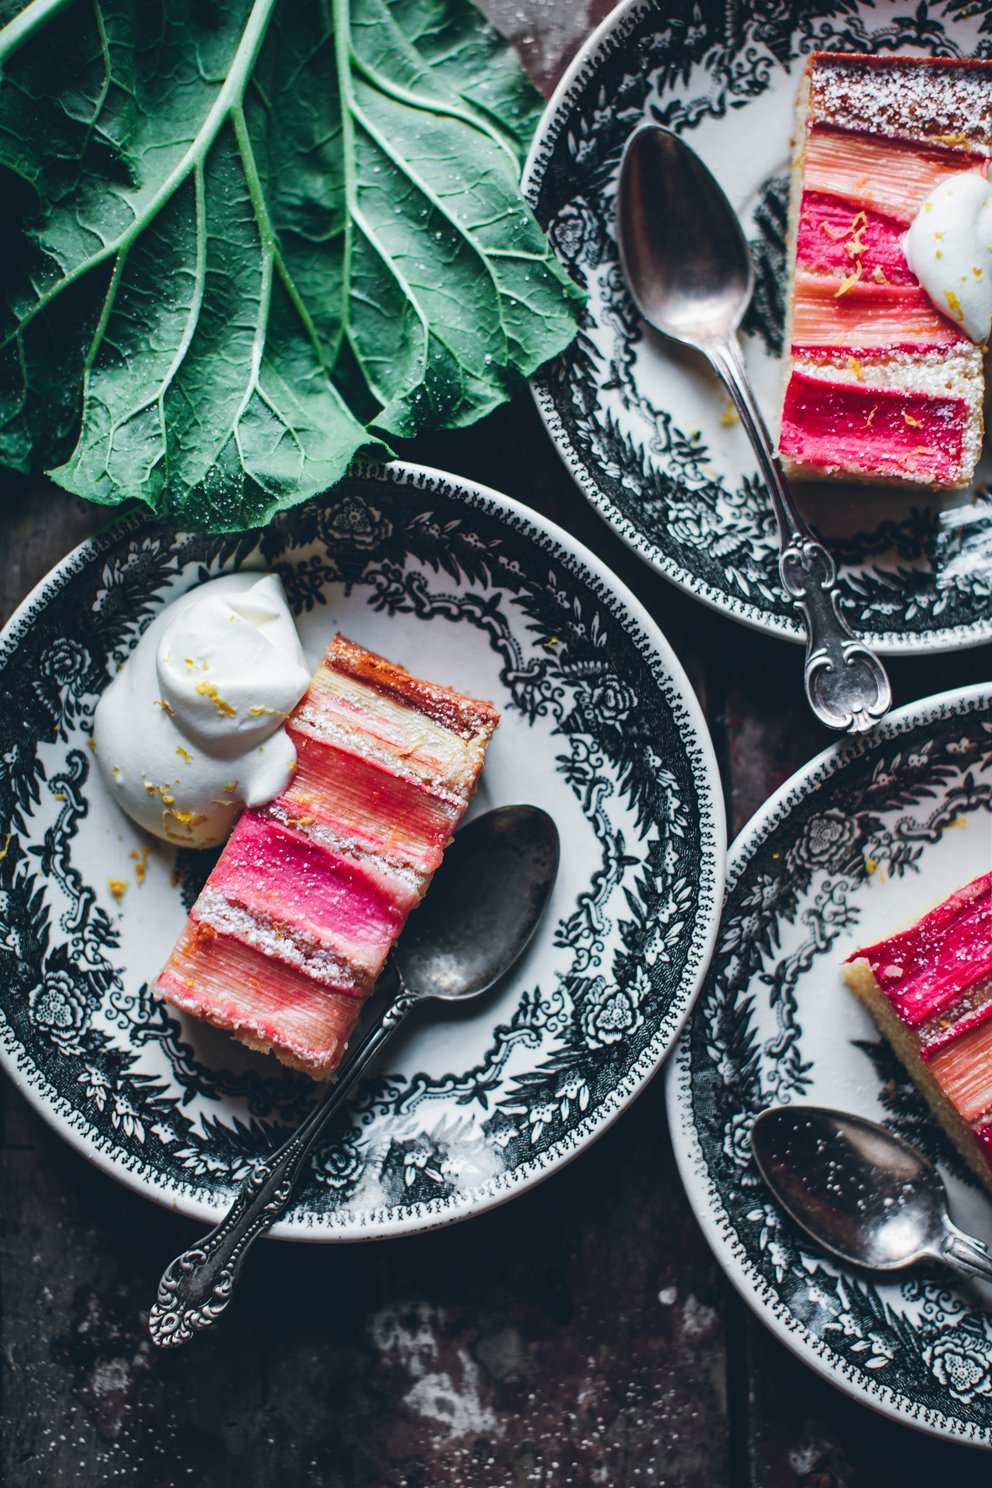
column 949, row 249
column 191, row 728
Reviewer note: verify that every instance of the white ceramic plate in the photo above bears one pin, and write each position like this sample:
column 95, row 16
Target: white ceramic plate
column 600, row 727
column 643, row 427
column 864, row 839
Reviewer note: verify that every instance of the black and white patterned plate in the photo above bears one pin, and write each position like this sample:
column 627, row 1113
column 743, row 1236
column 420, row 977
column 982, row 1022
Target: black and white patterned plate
column 644, row 429
column 599, row 726
column 863, row 840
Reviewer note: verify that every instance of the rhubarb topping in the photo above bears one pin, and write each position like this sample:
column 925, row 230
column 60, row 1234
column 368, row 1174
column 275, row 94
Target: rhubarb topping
column 928, row 967
column 836, row 238
column 881, row 431
column 889, row 176
column 865, row 316
column 299, row 913
column 282, row 874
column 937, row 978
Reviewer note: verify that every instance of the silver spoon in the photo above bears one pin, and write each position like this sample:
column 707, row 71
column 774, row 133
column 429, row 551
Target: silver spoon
column 864, row 1194
column 483, row 907
column 689, row 270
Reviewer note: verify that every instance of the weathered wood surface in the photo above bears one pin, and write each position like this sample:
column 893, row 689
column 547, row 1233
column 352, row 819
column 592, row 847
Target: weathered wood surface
column 583, row 1335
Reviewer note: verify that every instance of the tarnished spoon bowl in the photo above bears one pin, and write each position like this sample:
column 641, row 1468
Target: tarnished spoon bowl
column 864, row 1194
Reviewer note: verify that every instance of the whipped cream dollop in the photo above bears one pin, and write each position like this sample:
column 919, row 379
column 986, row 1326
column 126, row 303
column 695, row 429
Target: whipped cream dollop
column 191, row 728
column 949, row 249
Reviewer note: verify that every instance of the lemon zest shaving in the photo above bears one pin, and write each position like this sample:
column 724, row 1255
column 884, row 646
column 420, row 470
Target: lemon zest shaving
column 209, row 690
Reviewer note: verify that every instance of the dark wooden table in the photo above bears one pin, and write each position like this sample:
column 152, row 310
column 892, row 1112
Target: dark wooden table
column 583, row 1335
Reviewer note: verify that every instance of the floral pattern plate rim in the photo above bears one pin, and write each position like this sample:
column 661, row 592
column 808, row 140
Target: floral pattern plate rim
column 600, row 726
column 644, row 429
column 862, row 840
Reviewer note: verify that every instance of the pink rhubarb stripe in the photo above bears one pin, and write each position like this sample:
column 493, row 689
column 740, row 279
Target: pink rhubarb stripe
column 406, row 761
column 867, row 317
column 392, row 813
column 964, row 1072
column 880, row 431
column 927, row 968
column 869, row 170
column 288, row 878
column 394, row 877
column 270, row 1000
column 833, row 237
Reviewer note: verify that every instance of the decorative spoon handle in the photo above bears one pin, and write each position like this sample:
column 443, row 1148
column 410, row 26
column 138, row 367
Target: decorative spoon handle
column 197, row 1286
column 846, row 684
column 966, row 1254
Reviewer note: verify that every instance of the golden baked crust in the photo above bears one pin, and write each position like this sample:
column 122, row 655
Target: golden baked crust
column 861, row 979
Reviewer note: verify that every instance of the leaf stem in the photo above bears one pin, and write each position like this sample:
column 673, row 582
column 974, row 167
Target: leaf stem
column 101, row 31
column 265, row 229
column 272, row 263
column 433, row 106
column 192, row 319
column 26, row 23
column 253, row 383
column 268, row 235
column 343, row 51
column 230, row 94
column 109, row 300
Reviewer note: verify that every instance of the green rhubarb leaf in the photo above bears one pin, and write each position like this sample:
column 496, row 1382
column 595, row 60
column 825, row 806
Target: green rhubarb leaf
column 244, row 241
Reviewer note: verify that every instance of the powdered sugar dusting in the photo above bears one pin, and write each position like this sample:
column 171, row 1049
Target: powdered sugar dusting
column 937, row 374
column 383, row 864
column 923, row 99
column 289, row 943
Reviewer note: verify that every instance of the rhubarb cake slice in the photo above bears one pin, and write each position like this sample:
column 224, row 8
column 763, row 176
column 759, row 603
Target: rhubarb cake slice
column 929, row 989
column 295, row 921
column 880, row 385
